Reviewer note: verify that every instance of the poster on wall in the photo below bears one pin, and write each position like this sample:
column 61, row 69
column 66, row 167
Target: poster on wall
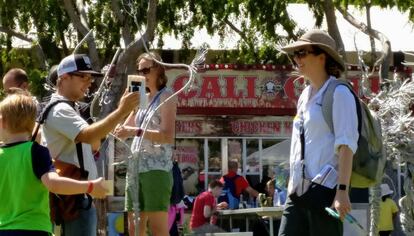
column 187, row 153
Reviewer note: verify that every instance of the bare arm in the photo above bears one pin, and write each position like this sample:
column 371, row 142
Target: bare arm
column 207, row 211
column 66, row 186
column 252, row 192
column 96, row 131
column 342, row 203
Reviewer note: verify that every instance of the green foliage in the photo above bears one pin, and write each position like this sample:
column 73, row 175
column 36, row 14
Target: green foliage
column 21, row 58
column 254, row 20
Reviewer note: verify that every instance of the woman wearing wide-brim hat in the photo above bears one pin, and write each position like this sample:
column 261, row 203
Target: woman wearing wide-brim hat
column 315, row 145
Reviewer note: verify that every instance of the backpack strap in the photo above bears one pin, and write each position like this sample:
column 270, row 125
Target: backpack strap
column 232, row 179
column 45, row 112
column 41, row 120
column 327, row 103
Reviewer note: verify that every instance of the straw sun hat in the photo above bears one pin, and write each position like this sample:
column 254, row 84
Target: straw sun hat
column 320, row 39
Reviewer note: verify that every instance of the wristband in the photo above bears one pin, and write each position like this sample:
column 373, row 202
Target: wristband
column 139, row 132
column 90, row 187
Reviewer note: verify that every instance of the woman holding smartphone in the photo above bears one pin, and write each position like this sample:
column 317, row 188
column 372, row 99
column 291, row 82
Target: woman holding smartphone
column 155, row 154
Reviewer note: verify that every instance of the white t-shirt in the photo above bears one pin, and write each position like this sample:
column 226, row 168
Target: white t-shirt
column 59, row 131
column 321, row 145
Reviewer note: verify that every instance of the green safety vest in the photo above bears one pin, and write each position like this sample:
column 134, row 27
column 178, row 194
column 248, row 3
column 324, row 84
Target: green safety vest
column 24, row 200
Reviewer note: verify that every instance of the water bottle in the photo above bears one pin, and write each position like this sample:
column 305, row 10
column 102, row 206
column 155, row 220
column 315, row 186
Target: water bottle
column 241, row 202
column 276, row 198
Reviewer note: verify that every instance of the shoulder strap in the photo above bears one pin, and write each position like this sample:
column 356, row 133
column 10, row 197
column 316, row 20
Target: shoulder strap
column 41, row 120
column 45, row 112
column 327, row 103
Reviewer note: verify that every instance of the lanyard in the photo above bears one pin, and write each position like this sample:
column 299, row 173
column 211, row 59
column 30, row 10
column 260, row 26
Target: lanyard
column 142, row 117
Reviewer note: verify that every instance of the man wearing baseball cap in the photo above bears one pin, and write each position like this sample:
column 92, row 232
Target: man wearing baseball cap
column 64, row 128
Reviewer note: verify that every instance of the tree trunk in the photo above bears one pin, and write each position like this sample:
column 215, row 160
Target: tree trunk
column 126, row 61
column 329, row 9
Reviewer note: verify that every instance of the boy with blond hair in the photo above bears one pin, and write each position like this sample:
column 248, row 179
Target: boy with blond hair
column 27, row 173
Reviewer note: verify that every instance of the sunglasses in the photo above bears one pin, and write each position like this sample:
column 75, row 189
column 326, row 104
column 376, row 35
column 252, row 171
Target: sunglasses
column 301, row 53
column 145, row 71
column 85, row 77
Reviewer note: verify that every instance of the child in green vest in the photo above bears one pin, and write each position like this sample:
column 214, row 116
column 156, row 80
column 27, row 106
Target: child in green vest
column 27, row 173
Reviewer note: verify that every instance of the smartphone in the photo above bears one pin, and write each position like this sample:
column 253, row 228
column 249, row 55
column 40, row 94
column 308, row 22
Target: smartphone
column 134, row 82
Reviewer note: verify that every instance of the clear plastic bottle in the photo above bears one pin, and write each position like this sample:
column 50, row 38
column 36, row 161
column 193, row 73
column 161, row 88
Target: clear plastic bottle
column 241, row 202
column 276, row 201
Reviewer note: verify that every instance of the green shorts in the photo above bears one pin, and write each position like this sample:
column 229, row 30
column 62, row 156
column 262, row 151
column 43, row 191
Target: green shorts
column 154, row 191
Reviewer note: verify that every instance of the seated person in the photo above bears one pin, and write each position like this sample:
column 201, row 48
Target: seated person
column 236, row 184
column 203, row 217
column 266, row 199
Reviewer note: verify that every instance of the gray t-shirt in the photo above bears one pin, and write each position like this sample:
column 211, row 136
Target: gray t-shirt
column 59, row 131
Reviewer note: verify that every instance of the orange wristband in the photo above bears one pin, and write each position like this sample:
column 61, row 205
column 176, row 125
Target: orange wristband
column 90, row 187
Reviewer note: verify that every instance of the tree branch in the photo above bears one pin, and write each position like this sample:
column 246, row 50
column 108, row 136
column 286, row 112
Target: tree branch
column 83, row 29
column 16, row 34
column 385, row 59
column 241, row 33
column 38, row 49
column 120, row 18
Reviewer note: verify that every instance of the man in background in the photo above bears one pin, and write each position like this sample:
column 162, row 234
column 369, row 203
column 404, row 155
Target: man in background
column 15, row 78
column 239, row 182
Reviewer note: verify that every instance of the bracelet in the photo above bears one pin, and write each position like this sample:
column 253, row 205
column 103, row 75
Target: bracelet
column 139, row 132
column 90, row 187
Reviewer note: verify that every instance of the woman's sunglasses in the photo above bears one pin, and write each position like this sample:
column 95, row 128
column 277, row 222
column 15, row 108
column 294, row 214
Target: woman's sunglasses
column 301, row 53
column 144, row 71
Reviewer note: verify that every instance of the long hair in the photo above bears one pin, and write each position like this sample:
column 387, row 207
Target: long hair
column 162, row 78
column 331, row 66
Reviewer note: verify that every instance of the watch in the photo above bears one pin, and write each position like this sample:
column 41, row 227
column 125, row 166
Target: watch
column 342, row 187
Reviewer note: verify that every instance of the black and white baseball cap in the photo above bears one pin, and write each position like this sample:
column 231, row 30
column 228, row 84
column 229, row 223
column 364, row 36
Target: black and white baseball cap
column 76, row 63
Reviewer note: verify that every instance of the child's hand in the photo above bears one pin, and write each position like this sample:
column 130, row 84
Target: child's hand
column 99, row 190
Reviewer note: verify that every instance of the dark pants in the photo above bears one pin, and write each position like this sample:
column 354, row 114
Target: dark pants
column 23, row 233
column 298, row 221
column 385, row 233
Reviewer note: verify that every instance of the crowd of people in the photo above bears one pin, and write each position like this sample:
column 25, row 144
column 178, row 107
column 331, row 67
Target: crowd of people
column 30, row 170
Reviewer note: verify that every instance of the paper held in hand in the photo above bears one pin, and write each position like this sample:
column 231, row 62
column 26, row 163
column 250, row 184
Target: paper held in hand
column 327, row 177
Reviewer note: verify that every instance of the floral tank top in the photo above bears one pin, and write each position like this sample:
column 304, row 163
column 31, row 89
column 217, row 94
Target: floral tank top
column 152, row 155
